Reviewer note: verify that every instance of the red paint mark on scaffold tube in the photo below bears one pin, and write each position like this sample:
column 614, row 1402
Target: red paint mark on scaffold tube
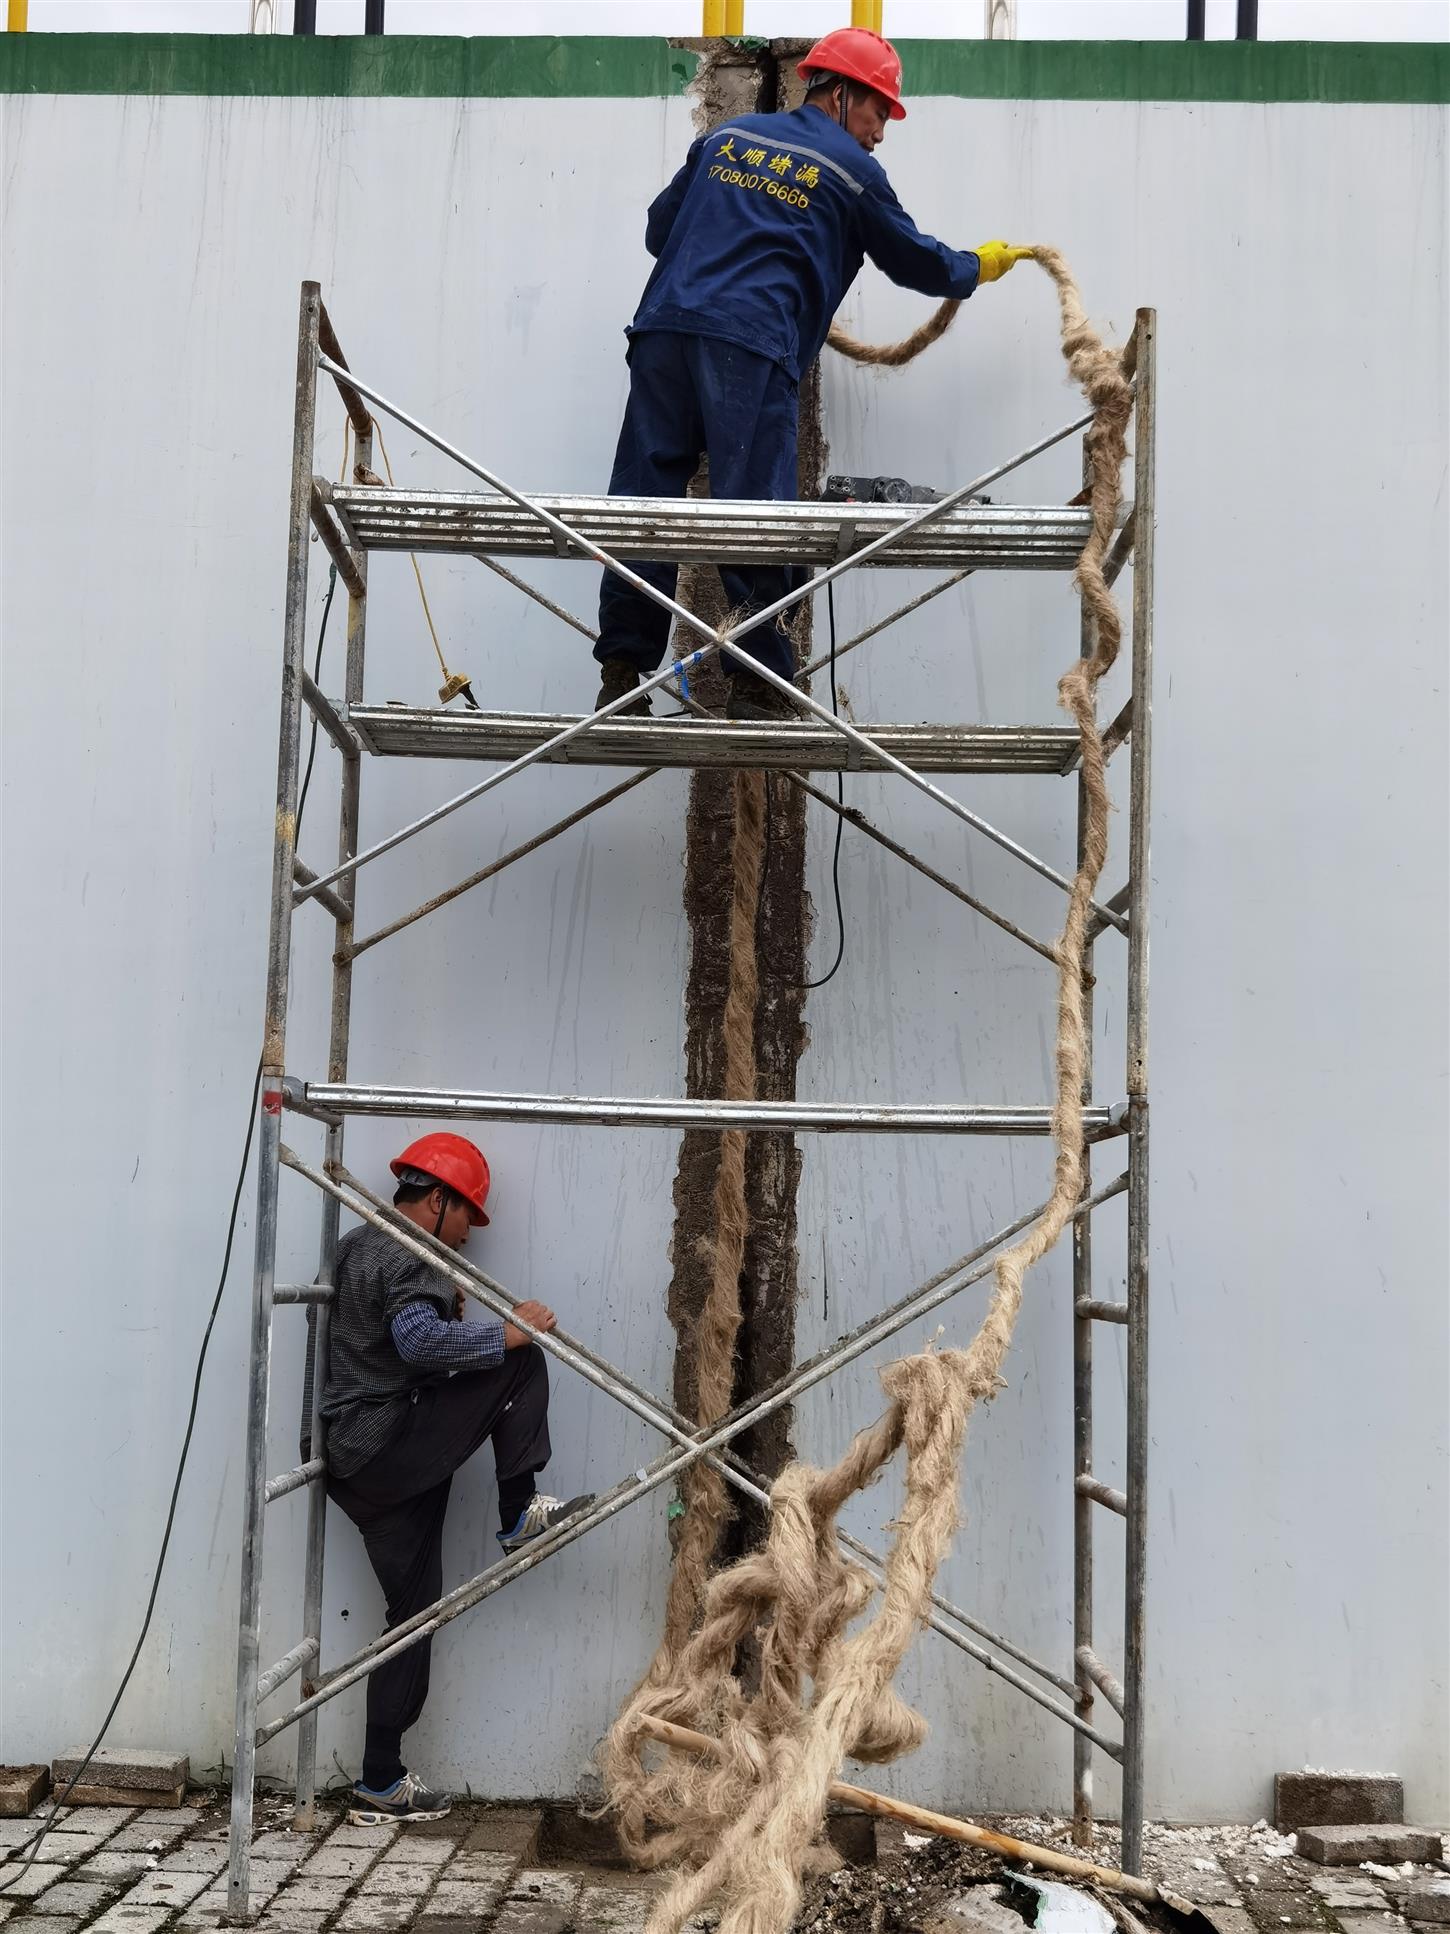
column 272, row 1101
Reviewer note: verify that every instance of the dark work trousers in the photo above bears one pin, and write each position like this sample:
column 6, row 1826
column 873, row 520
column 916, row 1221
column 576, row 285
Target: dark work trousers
column 688, row 395
column 398, row 1501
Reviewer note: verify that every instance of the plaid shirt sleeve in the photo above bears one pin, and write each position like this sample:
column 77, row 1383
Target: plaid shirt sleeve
column 423, row 1339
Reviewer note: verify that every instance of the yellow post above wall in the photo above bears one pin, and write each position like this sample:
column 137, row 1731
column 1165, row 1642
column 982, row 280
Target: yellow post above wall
column 15, row 20
column 713, row 21
column 735, row 16
column 867, row 13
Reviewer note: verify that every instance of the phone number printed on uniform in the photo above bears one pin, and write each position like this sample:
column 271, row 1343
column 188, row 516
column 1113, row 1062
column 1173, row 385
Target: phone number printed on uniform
column 737, row 178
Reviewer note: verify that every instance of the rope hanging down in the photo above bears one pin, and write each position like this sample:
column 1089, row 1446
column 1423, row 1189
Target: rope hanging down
column 745, row 1822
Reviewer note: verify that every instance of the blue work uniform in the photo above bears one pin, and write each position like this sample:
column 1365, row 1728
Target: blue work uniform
column 756, row 240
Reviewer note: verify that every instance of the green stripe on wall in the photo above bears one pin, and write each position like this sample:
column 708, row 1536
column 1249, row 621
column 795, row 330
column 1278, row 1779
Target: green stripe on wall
column 412, row 66
column 418, row 66
column 1172, row 70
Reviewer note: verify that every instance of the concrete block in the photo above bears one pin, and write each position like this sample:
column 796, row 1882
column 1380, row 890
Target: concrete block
column 94, row 1793
column 412, row 1849
column 38, row 1924
column 1346, row 1846
column 153, row 1774
column 402, row 1877
column 92, row 1819
column 1426, row 1900
column 116, row 1864
column 351, row 1836
column 278, row 1920
column 365, row 1916
column 461, row 1898
column 319, row 1894
column 614, row 1910
column 1366, row 1921
column 22, row 1788
column 532, row 1917
column 65, row 1849
column 204, row 1857
column 12, row 1832
column 348, row 1861
column 25, row 1884
column 161, row 1889
column 1337, row 1800
column 486, row 1867
column 431, row 1923
column 122, row 1919
column 81, row 1897
column 541, row 1883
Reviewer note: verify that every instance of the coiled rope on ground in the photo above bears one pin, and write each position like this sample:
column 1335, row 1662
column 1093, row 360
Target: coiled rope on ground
column 745, row 1823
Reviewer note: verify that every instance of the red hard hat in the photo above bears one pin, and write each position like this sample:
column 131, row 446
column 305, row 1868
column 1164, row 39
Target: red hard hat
column 454, row 1161
column 861, row 56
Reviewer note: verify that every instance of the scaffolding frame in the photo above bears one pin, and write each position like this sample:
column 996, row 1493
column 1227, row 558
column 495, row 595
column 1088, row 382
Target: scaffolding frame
column 352, row 521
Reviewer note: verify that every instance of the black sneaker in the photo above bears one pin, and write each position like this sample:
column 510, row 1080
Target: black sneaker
column 541, row 1514
column 752, row 701
column 406, row 1799
column 619, row 678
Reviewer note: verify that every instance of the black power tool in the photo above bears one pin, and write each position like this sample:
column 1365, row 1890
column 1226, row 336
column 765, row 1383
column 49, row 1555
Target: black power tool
column 882, row 490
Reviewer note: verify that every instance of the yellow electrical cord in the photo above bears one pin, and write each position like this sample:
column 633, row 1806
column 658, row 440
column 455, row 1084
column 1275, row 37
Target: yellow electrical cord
column 453, row 682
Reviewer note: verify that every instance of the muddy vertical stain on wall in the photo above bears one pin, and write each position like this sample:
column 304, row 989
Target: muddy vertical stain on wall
column 736, row 81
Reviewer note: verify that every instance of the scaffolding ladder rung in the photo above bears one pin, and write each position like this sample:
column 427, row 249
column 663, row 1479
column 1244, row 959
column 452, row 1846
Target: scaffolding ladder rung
column 303, row 1293
column 312, row 1472
column 278, row 1675
column 1098, row 1312
column 1104, row 1494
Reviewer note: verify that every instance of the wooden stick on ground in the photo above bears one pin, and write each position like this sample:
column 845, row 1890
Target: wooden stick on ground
column 942, row 1823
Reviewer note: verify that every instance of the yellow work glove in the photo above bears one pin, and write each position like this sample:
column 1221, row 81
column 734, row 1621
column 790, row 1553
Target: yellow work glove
column 996, row 258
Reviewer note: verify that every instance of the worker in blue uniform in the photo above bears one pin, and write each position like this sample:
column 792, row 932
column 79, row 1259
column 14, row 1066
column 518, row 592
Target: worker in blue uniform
column 756, row 241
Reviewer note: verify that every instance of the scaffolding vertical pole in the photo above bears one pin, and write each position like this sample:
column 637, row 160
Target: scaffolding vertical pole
column 1141, row 747
column 337, row 1057
column 1082, row 1365
column 279, row 947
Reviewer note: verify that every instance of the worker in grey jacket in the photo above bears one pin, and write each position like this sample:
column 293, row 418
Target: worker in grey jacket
column 410, row 1391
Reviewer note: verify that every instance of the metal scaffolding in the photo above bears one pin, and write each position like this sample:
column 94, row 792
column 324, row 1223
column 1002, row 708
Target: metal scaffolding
column 954, row 533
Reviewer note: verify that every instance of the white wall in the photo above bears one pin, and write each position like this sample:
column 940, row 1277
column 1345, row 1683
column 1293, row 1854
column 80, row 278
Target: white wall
column 480, row 258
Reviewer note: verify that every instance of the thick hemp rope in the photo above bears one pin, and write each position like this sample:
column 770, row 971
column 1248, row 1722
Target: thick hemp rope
column 747, row 1821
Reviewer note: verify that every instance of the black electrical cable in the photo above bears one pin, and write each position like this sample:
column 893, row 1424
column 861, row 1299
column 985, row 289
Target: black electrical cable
column 37, row 1838
column 809, row 986
column 316, row 675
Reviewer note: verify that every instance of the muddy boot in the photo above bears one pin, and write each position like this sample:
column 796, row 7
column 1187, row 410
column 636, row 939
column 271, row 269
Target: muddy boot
column 752, row 701
column 619, row 677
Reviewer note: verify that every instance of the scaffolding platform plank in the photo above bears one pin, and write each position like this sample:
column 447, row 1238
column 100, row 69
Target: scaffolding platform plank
column 608, row 1111
column 405, row 732
column 700, row 530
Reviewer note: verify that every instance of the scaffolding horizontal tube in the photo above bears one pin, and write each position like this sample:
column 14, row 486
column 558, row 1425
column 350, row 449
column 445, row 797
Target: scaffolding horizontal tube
column 1106, row 1682
column 792, row 1117
column 290, row 1662
column 302, row 1293
column 391, row 1643
column 1099, row 1312
column 323, row 895
column 1104, row 1494
column 308, row 1473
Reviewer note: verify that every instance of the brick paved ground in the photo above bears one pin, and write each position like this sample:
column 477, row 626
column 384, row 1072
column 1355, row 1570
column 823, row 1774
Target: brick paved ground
column 119, row 1871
